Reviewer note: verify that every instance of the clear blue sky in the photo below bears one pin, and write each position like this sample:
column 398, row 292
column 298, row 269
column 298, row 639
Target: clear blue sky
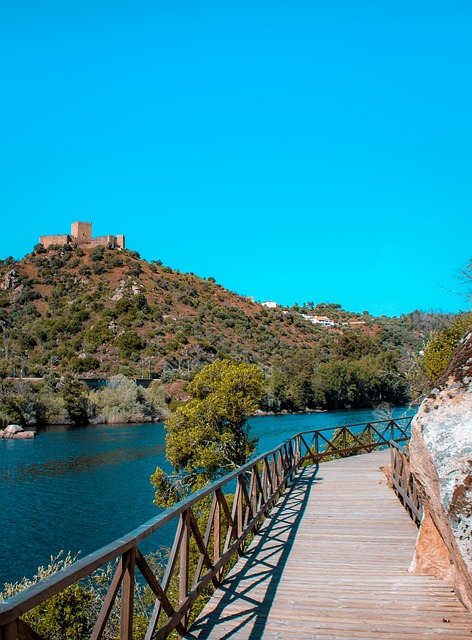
column 294, row 150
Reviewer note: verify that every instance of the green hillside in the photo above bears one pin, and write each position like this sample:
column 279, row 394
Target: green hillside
column 100, row 312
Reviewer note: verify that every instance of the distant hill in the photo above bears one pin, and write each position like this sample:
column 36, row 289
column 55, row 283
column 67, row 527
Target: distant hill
column 99, row 311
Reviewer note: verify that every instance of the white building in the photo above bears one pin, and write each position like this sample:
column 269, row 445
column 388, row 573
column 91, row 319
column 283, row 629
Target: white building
column 324, row 321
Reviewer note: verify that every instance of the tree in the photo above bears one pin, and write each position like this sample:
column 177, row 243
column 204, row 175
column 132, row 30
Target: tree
column 74, row 394
column 467, row 277
column 208, row 436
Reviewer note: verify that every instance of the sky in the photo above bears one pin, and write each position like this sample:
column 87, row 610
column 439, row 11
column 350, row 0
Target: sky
column 295, row 150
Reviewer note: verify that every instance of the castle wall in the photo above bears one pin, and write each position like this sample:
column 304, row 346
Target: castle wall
column 108, row 241
column 61, row 239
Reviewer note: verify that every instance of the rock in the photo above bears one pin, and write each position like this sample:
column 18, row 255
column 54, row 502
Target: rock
column 24, row 435
column 13, row 428
column 441, row 461
column 16, row 432
column 10, row 280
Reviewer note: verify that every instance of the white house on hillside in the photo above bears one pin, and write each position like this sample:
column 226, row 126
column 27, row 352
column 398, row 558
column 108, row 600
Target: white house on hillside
column 324, row 321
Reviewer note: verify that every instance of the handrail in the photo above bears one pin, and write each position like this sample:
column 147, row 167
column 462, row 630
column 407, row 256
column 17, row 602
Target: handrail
column 404, row 482
column 259, row 483
column 353, row 440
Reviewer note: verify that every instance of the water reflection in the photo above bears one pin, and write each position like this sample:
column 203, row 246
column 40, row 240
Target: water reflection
column 77, row 464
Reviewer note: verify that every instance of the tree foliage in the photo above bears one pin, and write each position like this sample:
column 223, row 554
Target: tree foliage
column 441, row 345
column 208, row 436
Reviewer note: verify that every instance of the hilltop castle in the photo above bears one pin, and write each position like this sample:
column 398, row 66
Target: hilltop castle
column 81, row 235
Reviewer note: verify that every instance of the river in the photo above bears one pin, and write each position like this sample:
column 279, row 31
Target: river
column 79, row 488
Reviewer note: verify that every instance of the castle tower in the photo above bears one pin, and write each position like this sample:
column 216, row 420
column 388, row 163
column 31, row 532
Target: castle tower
column 120, row 241
column 81, row 232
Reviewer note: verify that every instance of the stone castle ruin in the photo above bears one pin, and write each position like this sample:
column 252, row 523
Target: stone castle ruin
column 81, row 235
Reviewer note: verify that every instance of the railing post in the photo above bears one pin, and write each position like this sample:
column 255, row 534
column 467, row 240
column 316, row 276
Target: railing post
column 184, row 560
column 127, row 595
column 239, row 510
column 9, row 631
column 254, row 495
column 217, row 536
column 290, row 459
column 274, row 479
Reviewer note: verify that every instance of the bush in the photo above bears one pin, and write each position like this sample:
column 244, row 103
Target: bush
column 122, row 401
column 97, row 254
column 83, row 365
column 129, row 343
column 63, row 616
column 439, row 350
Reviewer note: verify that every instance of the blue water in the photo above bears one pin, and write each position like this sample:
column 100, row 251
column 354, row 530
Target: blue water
column 77, row 489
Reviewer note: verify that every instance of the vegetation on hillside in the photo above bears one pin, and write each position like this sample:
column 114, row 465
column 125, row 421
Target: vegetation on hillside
column 68, row 313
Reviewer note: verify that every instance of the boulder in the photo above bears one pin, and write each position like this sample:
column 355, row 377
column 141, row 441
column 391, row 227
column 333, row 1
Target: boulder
column 24, row 435
column 16, row 432
column 441, row 461
column 13, row 428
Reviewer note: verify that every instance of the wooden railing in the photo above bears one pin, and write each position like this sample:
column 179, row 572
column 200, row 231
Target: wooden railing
column 211, row 521
column 404, row 482
column 345, row 441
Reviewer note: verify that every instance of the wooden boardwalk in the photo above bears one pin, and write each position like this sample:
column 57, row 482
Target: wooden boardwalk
column 332, row 563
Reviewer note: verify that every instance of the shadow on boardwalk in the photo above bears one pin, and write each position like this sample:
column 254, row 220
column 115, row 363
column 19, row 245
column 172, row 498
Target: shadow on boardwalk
column 233, row 607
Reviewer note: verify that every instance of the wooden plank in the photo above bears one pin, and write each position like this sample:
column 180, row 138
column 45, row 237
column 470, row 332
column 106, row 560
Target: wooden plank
column 332, row 562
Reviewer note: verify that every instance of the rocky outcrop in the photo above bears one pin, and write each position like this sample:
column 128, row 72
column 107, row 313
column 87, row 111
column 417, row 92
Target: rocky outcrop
column 15, row 432
column 10, row 280
column 441, row 461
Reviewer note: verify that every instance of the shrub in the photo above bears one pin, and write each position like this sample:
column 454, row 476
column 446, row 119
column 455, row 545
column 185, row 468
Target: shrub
column 129, row 343
column 63, row 616
column 439, row 350
column 122, row 401
column 83, row 365
column 97, row 253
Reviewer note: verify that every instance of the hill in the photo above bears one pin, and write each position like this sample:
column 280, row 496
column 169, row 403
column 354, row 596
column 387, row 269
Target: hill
column 97, row 312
